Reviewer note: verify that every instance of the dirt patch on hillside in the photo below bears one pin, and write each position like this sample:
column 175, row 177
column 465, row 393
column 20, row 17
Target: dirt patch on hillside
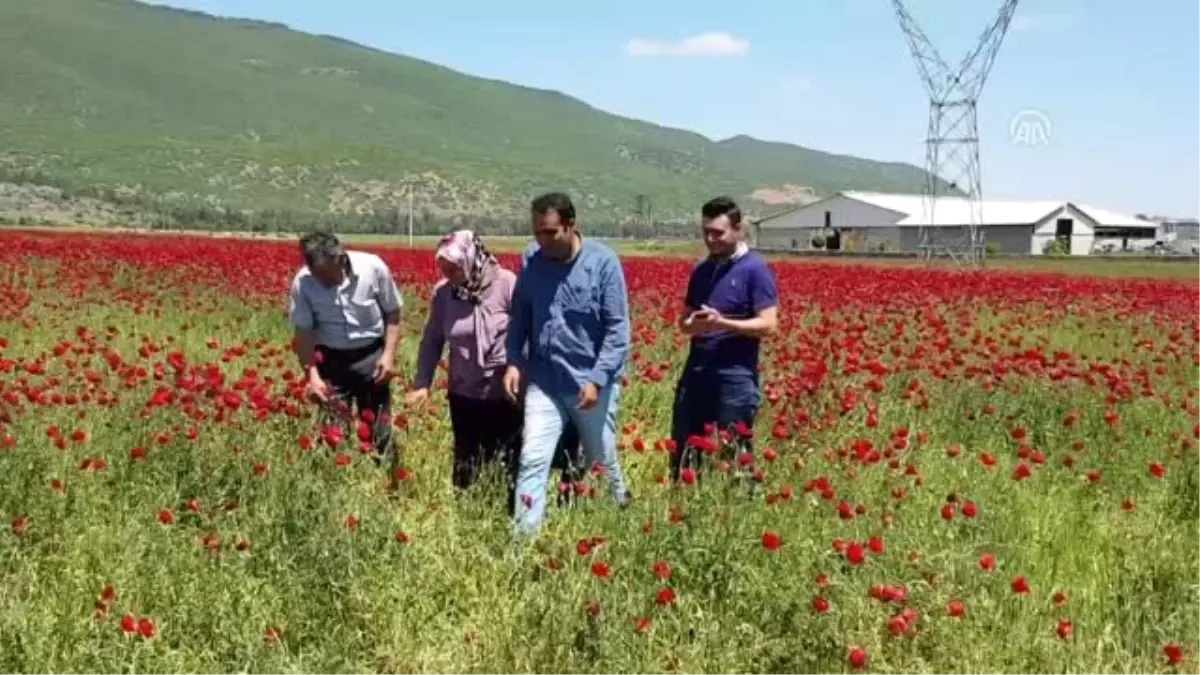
column 99, row 228
column 798, row 195
column 28, row 204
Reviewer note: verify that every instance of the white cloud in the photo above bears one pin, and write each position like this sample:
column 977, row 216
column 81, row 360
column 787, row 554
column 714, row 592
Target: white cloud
column 1030, row 22
column 705, row 44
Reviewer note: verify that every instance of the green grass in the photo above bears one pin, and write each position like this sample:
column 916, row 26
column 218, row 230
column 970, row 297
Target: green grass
column 515, row 244
column 457, row 595
column 1181, row 270
column 161, row 101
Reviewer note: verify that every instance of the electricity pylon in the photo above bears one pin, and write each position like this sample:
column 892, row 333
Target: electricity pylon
column 952, row 138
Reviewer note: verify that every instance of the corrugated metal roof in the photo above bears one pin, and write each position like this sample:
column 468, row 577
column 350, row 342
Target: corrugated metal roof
column 952, row 211
column 1108, row 218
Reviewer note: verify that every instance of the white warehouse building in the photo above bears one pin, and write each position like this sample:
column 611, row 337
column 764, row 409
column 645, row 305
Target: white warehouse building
column 883, row 222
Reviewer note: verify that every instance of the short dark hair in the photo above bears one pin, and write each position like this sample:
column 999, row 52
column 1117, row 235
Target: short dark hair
column 320, row 248
column 722, row 206
column 559, row 202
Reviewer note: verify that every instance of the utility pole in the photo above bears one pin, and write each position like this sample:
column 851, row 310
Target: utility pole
column 643, row 212
column 410, row 214
column 409, row 183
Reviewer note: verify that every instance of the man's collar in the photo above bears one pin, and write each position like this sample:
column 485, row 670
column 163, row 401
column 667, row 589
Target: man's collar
column 740, row 250
column 576, row 254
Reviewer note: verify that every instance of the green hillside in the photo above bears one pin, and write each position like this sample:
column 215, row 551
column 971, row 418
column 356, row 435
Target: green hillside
column 181, row 110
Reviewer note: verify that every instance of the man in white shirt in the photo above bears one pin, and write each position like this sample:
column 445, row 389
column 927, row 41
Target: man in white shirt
column 345, row 308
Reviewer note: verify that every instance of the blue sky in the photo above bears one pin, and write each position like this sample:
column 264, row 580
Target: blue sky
column 1117, row 81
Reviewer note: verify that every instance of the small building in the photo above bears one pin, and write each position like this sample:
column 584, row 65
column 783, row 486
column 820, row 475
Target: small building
column 1179, row 235
column 884, row 222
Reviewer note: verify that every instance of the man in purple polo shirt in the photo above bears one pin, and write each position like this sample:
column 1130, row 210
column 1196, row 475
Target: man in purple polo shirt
column 731, row 304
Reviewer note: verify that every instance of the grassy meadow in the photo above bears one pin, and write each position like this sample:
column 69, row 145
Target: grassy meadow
column 958, row 473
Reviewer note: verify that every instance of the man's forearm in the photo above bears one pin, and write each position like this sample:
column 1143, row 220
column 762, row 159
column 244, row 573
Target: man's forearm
column 613, row 351
column 391, row 335
column 614, row 314
column 518, row 330
column 515, row 343
column 757, row 327
column 306, row 351
column 602, row 375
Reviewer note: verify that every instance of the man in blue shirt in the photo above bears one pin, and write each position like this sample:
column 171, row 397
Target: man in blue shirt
column 568, row 337
column 731, row 304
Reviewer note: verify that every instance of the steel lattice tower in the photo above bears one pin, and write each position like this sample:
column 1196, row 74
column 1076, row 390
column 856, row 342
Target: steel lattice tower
column 952, row 139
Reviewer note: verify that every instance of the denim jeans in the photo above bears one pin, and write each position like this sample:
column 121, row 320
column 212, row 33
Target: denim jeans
column 702, row 399
column 489, row 430
column 545, row 416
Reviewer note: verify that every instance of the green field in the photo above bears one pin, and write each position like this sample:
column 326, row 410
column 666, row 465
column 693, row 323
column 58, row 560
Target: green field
column 995, row 471
column 1081, row 265
column 513, row 244
column 1015, row 454
column 1132, row 267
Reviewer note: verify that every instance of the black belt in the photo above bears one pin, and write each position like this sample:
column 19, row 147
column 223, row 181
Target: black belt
column 355, row 353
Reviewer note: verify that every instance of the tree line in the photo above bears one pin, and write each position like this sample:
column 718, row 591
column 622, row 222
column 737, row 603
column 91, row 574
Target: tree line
column 161, row 212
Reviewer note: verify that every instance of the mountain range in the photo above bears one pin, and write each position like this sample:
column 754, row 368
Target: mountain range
column 170, row 107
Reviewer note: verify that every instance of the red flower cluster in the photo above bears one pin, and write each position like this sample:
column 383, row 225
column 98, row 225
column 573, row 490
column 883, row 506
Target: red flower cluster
column 939, row 409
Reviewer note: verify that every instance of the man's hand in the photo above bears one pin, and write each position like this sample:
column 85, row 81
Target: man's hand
column 316, row 389
column 417, row 396
column 383, row 368
column 706, row 319
column 589, row 393
column 688, row 324
column 512, row 383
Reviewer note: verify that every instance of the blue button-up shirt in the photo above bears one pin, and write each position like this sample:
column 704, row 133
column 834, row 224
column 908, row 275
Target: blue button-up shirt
column 570, row 319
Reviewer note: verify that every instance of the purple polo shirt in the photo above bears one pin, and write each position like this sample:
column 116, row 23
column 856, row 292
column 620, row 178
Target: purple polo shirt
column 738, row 288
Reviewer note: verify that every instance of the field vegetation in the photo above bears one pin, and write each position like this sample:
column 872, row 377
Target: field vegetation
column 958, row 473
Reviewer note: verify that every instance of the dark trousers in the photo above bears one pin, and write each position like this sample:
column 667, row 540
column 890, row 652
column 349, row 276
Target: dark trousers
column 485, row 430
column 489, row 430
column 722, row 401
column 349, row 373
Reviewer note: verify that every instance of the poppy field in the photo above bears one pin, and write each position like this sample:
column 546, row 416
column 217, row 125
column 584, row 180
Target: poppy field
column 955, row 472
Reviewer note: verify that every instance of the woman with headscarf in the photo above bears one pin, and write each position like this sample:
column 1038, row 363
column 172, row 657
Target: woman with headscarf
column 469, row 313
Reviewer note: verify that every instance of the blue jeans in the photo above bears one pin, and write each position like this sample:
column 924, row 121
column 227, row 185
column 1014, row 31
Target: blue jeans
column 545, row 416
column 720, row 400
